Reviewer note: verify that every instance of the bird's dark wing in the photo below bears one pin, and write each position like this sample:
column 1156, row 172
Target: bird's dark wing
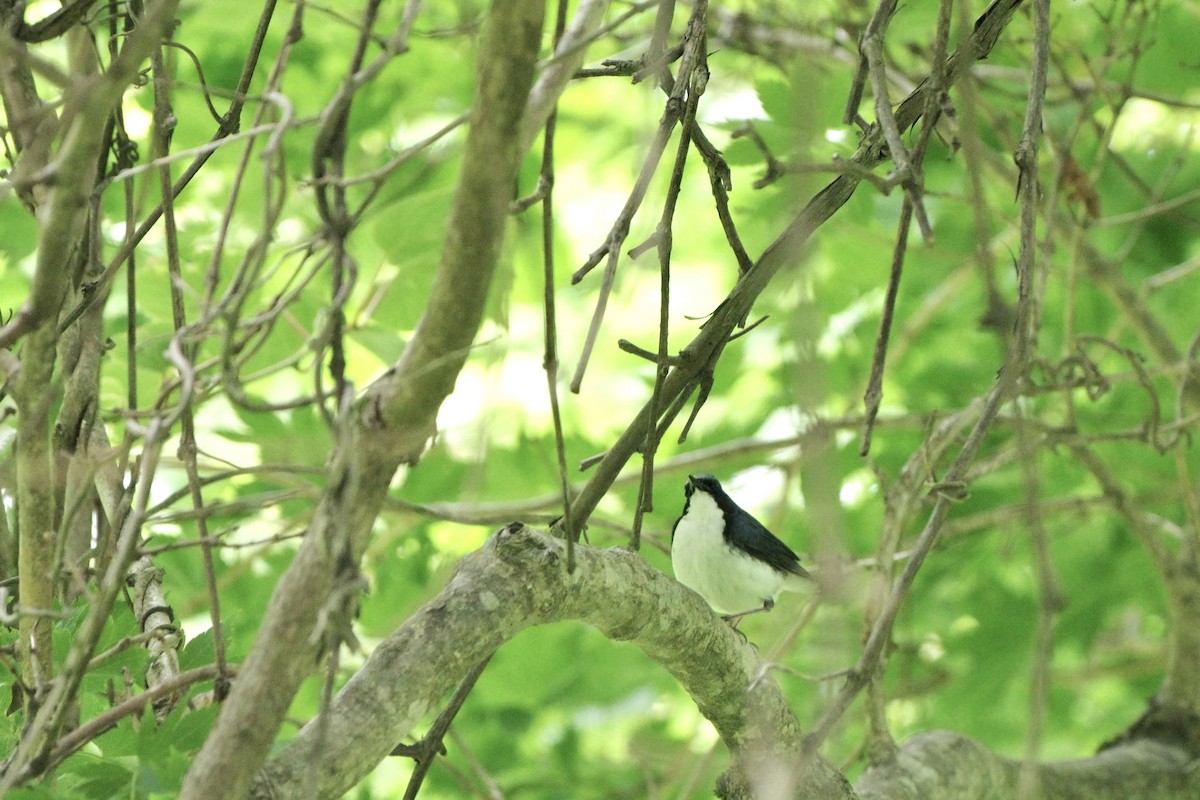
column 744, row 531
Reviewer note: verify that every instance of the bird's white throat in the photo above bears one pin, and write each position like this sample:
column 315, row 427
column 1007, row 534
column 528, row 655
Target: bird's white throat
column 729, row 579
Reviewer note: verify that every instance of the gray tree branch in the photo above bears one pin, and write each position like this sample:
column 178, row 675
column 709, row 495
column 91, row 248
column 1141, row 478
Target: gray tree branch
column 516, row 581
column 390, row 424
column 89, row 101
column 943, row 765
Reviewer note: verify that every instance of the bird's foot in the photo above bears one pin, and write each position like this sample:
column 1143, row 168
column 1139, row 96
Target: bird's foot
column 734, row 619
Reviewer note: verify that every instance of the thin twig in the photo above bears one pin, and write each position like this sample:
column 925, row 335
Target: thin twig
column 697, row 356
column 431, row 744
column 664, row 238
column 880, row 634
column 672, row 113
column 549, row 309
column 1023, row 348
column 230, row 124
column 721, row 183
column 88, row 731
column 933, row 99
column 1050, row 603
column 163, row 128
column 907, row 172
column 874, row 393
column 329, row 159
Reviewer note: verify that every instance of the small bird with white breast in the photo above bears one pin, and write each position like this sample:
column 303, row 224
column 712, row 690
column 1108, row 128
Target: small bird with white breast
column 727, row 556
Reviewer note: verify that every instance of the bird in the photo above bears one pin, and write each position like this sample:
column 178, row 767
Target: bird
column 727, row 556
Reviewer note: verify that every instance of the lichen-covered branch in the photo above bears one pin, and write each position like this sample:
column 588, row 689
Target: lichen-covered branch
column 943, row 765
column 516, row 581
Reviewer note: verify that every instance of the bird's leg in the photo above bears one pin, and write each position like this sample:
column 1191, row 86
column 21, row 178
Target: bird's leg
column 734, row 619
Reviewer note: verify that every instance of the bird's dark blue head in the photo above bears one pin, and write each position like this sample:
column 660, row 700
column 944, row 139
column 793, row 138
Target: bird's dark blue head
column 705, row 483
column 711, row 487
column 741, row 530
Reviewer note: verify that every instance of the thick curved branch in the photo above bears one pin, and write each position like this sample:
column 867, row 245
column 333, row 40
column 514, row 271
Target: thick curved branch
column 516, row 581
column 942, row 765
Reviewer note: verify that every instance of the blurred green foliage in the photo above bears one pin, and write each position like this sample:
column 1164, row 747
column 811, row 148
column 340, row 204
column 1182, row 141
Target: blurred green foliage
column 561, row 711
